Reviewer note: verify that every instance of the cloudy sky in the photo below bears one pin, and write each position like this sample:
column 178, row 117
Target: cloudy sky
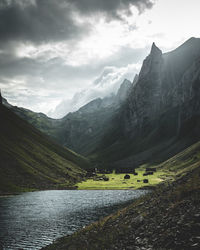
column 58, row 55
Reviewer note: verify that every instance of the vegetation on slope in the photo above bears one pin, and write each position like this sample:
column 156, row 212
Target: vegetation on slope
column 167, row 218
column 81, row 130
column 46, row 125
column 29, row 160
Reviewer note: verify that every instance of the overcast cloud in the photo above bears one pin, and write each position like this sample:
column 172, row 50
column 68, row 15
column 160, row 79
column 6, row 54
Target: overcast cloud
column 105, row 85
column 53, row 52
column 41, row 21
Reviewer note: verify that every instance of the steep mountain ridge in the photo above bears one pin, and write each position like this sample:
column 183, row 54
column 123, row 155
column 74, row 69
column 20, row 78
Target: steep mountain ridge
column 29, row 160
column 150, row 119
column 82, row 130
column 162, row 109
column 164, row 82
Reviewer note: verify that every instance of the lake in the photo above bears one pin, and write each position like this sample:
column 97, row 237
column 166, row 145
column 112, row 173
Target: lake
column 33, row 220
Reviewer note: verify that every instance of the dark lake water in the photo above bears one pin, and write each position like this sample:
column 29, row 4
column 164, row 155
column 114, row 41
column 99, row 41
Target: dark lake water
column 33, row 220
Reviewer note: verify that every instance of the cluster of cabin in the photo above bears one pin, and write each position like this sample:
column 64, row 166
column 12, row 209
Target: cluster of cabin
column 104, row 171
column 92, row 173
column 127, row 176
column 125, row 170
column 101, row 178
column 149, row 171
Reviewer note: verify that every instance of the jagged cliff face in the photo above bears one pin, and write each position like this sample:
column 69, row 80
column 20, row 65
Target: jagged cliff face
column 143, row 101
column 166, row 81
column 146, row 118
column 161, row 115
column 122, row 93
column 83, row 130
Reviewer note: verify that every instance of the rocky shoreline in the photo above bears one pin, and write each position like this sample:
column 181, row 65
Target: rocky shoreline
column 167, row 218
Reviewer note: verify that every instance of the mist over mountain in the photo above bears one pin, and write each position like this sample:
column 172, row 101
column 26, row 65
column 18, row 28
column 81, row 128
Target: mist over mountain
column 107, row 84
column 82, row 130
column 162, row 108
column 158, row 114
column 142, row 119
column 100, row 116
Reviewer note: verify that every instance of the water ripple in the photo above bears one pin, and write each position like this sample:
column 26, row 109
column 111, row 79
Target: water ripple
column 33, row 220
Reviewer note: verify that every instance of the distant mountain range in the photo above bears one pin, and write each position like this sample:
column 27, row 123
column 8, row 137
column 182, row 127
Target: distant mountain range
column 149, row 120
column 82, row 130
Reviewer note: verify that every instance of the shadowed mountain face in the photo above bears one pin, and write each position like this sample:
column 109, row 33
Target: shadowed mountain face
column 165, row 82
column 162, row 113
column 149, row 120
column 82, row 130
column 30, row 160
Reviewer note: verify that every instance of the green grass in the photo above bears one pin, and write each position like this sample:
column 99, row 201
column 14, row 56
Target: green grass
column 29, row 160
column 117, row 181
column 184, row 168
column 176, row 166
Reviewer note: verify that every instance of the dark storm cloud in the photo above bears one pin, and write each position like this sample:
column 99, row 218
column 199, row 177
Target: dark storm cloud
column 110, row 7
column 23, row 23
column 38, row 21
column 43, row 21
column 49, row 20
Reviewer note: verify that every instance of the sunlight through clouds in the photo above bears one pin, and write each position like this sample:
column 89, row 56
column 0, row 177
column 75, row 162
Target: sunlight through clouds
column 68, row 44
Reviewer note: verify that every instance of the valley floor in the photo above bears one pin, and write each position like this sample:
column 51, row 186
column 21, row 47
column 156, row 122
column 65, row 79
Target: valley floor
column 167, row 218
column 117, row 181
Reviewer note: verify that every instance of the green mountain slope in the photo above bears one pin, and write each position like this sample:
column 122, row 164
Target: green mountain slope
column 30, row 160
column 167, row 218
column 82, row 130
column 45, row 124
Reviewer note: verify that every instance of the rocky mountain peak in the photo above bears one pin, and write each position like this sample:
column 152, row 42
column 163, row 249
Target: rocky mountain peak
column 123, row 90
column 152, row 62
column 155, row 51
column 91, row 106
column 124, row 84
column 166, row 82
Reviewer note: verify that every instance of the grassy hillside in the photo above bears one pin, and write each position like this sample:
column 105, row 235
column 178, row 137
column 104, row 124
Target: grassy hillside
column 81, row 131
column 29, row 160
column 167, row 218
column 47, row 125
